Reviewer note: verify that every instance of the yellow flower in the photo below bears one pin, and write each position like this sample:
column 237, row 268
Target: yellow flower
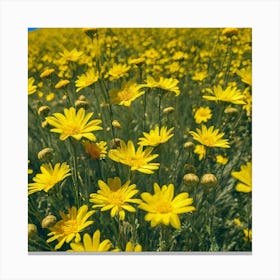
column 31, row 87
column 199, row 76
column 222, row 160
column 96, row 150
column 245, row 177
column 68, row 228
column 118, row 71
column 72, row 55
column 230, row 94
column 50, row 96
column 237, row 222
column 74, row 124
column 47, row 72
column 128, row 93
column 164, row 83
column 137, row 61
column 163, row 207
column 210, row 137
column 246, row 75
column 91, row 244
column 115, row 196
column 133, row 248
column 247, row 235
column 86, row 80
column 203, row 114
column 49, row 177
column 138, row 160
column 201, row 151
column 156, row 136
column 248, row 100
column 62, row 83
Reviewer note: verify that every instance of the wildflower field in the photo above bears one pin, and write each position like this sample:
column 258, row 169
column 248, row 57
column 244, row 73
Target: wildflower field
column 139, row 139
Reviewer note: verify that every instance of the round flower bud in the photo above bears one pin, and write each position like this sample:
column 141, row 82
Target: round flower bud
column 189, row 145
column 32, row 231
column 116, row 124
column 43, row 111
column 209, row 180
column 168, row 110
column 190, row 180
column 115, row 143
column 48, row 221
column 81, row 104
column 231, row 110
column 45, row 155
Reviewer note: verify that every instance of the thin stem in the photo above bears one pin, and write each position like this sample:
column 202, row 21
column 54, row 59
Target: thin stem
column 75, row 173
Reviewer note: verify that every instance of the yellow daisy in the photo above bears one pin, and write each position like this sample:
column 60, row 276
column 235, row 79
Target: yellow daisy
column 68, row 228
column 49, row 177
column 202, row 114
column 201, row 151
column 74, row 124
column 91, row 244
column 31, row 87
column 245, row 177
column 128, row 93
column 199, row 76
column 167, row 84
column 47, row 72
column 163, row 207
column 222, row 160
column 130, row 247
column 138, row 160
column 118, row 71
column 86, row 80
column 96, row 150
column 210, row 137
column 230, row 94
column 115, row 196
column 156, row 136
column 72, row 55
column 246, row 75
column 61, row 84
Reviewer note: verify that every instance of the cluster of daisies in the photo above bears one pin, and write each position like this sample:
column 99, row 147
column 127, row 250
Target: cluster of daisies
column 121, row 139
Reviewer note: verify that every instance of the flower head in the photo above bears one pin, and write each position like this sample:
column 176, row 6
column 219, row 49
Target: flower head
column 96, row 150
column 230, row 94
column 68, row 228
column 245, row 177
column 200, row 150
column 167, row 84
column 163, row 207
column 128, row 93
column 74, row 124
column 222, row 160
column 31, row 87
column 86, row 80
column 91, row 244
column 47, row 72
column 130, row 247
column 49, row 177
column 202, row 114
column 72, row 55
column 210, row 137
column 118, row 71
column 246, row 75
column 138, row 160
column 156, row 136
column 115, row 196
column 61, row 84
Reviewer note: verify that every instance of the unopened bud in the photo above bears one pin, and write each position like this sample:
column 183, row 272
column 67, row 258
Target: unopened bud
column 48, row 221
column 168, row 110
column 32, row 231
column 43, row 111
column 82, row 98
column 46, row 155
column 190, row 180
column 209, row 180
column 81, row 104
column 45, row 124
column 115, row 143
column 231, row 110
column 116, row 124
column 189, row 145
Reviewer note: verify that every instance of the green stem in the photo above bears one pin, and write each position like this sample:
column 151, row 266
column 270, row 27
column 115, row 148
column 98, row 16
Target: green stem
column 75, row 173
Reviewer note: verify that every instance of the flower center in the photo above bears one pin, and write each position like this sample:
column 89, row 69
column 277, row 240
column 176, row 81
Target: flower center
column 70, row 226
column 117, row 199
column 208, row 141
column 125, row 94
column 136, row 161
column 72, row 130
column 163, row 207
